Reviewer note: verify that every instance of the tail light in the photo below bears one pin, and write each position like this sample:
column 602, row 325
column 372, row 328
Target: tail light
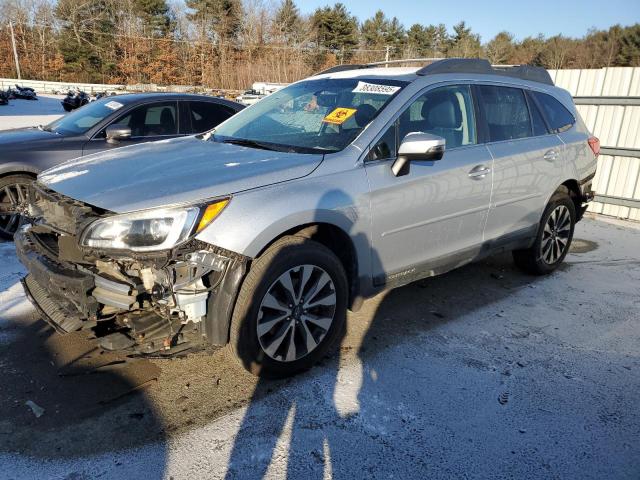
column 594, row 144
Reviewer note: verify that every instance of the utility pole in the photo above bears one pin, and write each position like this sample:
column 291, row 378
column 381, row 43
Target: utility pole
column 15, row 51
column 386, row 55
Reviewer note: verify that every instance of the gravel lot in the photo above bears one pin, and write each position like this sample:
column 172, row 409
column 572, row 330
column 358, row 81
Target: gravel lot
column 481, row 373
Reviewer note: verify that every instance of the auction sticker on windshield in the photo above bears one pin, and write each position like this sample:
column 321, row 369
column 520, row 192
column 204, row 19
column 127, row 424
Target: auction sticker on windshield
column 364, row 87
column 113, row 105
column 339, row 115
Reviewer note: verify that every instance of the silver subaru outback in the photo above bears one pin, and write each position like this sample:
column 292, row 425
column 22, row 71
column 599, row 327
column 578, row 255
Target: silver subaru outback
column 262, row 233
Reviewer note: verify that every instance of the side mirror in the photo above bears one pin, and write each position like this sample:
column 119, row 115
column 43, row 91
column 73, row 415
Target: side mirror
column 417, row 146
column 115, row 133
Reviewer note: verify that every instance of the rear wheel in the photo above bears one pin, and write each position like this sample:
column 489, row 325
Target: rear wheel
column 553, row 238
column 13, row 200
column 291, row 308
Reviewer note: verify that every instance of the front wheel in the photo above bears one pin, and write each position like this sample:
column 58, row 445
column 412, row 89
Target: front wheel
column 13, row 199
column 291, row 308
column 553, row 239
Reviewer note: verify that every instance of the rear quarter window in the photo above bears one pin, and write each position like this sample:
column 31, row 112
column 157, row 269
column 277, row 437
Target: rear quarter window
column 558, row 117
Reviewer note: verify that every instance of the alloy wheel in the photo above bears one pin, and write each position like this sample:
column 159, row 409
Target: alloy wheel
column 13, row 200
column 296, row 313
column 555, row 236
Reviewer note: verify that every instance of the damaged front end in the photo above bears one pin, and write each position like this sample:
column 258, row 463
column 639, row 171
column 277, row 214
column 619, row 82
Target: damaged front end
column 162, row 301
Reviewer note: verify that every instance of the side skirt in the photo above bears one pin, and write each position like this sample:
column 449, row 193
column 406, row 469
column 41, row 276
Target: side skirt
column 520, row 239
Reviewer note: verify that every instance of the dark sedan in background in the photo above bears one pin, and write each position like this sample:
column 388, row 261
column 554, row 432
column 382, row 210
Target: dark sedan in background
column 111, row 122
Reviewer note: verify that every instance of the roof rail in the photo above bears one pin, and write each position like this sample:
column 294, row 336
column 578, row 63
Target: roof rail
column 482, row 66
column 407, row 60
column 460, row 65
column 344, row 68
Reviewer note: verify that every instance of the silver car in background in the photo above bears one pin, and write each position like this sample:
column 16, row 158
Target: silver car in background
column 262, row 233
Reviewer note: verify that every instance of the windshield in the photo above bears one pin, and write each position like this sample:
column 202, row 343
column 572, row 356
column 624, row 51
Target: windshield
column 81, row 120
column 312, row 116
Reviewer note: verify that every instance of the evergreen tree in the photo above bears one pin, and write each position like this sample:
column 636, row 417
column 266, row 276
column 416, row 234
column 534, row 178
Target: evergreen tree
column 336, row 29
column 155, row 16
column 86, row 38
column 396, row 36
column 464, row 43
column 630, row 46
column 374, row 30
column 288, row 23
column 216, row 20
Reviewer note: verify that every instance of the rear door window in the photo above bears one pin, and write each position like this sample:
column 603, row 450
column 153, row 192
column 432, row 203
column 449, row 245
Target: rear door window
column 207, row 115
column 506, row 113
column 559, row 118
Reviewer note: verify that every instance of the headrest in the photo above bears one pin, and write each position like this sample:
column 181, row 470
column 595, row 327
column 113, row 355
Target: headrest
column 442, row 110
column 166, row 116
column 364, row 114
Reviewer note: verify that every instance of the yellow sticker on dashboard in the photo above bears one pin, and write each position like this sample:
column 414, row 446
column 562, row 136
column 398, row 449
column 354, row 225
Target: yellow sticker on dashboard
column 339, row 115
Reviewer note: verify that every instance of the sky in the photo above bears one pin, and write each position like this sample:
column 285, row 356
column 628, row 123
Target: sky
column 550, row 17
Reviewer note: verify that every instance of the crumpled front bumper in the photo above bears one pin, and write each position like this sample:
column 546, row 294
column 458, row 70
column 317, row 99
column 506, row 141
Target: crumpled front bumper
column 58, row 290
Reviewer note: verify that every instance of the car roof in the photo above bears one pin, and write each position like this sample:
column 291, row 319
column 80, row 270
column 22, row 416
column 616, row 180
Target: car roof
column 407, row 74
column 130, row 98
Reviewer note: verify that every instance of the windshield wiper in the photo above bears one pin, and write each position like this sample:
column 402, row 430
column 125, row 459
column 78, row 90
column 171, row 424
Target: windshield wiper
column 277, row 147
column 250, row 143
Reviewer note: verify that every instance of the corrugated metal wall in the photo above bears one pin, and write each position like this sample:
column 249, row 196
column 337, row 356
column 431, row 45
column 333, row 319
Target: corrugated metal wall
column 617, row 127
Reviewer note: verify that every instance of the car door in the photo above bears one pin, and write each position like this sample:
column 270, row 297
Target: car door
column 149, row 122
column 203, row 116
column 432, row 218
column 525, row 161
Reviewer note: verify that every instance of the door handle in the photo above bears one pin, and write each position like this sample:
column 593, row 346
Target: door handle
column 479, row 172
column 551, row 156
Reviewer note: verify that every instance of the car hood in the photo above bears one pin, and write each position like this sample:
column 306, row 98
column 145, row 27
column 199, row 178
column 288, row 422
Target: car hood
column 20, row 136
column 178, row 171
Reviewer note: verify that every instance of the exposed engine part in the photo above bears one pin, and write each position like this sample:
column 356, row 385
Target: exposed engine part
column 162, row 302
column 194, row 305
column 197, row 265
column 114, row 294
column 148, row 279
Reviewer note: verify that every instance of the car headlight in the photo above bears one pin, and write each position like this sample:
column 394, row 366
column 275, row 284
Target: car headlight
column 150, row 230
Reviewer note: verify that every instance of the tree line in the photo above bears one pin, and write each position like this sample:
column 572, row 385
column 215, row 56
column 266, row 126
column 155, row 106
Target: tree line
column 229, row 44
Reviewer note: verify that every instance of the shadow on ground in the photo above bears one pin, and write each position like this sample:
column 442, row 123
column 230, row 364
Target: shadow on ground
column 76, row 384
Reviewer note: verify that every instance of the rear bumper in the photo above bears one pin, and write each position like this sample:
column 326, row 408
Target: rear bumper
column 57, row 290
column 586, row 195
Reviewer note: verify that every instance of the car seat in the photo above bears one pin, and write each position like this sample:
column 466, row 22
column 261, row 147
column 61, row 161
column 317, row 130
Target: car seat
column 443, row 117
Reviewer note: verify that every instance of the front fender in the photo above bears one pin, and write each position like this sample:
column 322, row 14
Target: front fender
column 253, row 219
column 17, row 167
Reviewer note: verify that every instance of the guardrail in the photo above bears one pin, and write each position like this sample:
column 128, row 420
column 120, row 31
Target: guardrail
column 51, row 87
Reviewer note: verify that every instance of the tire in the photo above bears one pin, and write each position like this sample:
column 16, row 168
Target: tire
column 284, row 345
column 67, row 108
column 553, row 238
column 13, row 193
